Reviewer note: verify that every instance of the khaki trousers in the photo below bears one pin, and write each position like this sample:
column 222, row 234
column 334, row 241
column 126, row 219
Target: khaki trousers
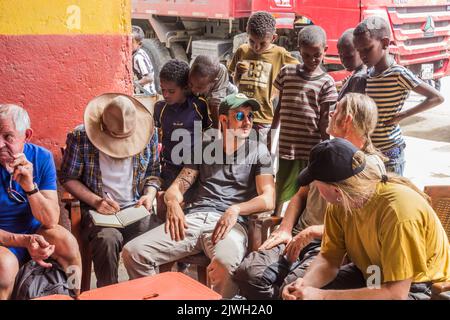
column 144, row 254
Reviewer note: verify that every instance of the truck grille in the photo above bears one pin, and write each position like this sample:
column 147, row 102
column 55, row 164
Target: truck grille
column 419, row 33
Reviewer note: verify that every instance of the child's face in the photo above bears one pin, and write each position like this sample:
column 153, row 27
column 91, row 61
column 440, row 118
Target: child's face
column 200, row 85
column 349, row 56
column 312, row 56
column 370, row 50
column 172, row 93
column 258, row 44
column 135, row 45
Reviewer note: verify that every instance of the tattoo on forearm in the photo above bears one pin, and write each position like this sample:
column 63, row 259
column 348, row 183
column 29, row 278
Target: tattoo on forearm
column 186, row 179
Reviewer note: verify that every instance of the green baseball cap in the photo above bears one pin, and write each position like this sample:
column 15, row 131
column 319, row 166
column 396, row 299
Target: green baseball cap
column 236, row 100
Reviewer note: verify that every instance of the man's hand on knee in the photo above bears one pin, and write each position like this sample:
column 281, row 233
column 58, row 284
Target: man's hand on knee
column 175, row 221
column 39, row 249
column 225, row 224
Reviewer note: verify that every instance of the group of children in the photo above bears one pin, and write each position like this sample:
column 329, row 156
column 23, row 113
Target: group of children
column 305, row 93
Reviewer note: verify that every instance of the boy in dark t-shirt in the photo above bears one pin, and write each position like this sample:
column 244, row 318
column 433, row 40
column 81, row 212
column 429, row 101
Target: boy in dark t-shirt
column 351, row 60
column 178, row 110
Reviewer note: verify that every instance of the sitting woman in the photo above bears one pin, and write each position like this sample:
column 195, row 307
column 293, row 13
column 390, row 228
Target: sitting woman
column 383, row 223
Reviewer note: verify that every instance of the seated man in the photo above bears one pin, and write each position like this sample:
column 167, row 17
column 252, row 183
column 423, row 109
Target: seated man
column 291, row 248
column 235, row 182
column 110, row 163
column 29, row 209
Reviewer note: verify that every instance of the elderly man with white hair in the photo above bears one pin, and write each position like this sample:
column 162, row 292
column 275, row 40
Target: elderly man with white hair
column 29, row 210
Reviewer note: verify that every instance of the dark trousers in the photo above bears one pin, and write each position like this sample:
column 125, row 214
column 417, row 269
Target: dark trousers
column 263, row 274
column 106, row 244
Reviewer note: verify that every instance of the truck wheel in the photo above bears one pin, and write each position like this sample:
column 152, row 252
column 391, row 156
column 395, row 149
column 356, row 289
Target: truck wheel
column 178, row 52
column 158, row 54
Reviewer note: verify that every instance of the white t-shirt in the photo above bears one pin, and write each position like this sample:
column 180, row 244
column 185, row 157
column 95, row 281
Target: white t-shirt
column 117, row 178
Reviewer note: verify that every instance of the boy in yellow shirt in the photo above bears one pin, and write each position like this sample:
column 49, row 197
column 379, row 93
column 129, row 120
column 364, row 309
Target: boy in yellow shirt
column 256, row 64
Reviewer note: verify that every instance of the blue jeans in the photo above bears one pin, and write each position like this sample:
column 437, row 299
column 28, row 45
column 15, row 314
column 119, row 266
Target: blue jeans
column 396, row 162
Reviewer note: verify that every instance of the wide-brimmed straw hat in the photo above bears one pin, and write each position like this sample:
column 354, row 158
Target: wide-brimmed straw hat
column 118, row 125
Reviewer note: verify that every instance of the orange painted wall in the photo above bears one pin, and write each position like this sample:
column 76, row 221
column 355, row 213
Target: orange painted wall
column 57, row 55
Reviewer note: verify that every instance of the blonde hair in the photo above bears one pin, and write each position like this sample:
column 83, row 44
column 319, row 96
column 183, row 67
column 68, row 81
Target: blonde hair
column 360, row 187
column 364, row 113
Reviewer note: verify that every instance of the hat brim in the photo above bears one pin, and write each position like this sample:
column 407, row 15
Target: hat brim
column 250, row 102
column 305, row 177
column 115, row 147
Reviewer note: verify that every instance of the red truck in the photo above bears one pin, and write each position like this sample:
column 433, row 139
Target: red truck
column 184, row 29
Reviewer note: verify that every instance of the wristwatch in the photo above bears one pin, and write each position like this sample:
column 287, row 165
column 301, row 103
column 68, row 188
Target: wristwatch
column 35, row 190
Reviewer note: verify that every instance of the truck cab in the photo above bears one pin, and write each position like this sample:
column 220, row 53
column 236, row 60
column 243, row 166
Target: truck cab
column 184, row 29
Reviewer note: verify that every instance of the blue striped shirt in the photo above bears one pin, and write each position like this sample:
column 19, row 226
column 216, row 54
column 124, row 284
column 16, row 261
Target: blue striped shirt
column 389, row 90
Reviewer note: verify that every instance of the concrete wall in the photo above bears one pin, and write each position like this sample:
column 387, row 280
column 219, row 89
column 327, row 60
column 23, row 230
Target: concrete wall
column 56, row 55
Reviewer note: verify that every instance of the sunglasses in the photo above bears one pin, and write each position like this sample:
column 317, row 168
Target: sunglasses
column 240, row 116
column 15, row 194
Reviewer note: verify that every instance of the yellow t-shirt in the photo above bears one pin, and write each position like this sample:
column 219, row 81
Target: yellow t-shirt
column 257, row 82
column 396, row 230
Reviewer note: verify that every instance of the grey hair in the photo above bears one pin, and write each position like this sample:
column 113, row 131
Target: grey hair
column 312, row 35
column 18, row 115
column 138, row 33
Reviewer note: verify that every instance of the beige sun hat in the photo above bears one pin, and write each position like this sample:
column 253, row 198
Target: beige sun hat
column 118, row 125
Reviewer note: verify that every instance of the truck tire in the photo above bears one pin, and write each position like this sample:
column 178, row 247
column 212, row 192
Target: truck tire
column 158, row 54
column 178, row 52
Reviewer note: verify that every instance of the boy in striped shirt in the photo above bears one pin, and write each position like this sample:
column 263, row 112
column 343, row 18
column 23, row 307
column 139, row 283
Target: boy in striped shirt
column 389, row 85
column 306, row 95
column 142, row 66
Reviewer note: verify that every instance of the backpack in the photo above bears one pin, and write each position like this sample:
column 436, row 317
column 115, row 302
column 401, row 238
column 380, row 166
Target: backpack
column 33, row 281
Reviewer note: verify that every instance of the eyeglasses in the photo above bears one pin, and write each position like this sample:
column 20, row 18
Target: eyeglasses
column 15, row 194
column 240, row 116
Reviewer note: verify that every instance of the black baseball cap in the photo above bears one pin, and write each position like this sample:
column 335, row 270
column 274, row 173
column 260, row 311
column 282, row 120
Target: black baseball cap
column 330, row 161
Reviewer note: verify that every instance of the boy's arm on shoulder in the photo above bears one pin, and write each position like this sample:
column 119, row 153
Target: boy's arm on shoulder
column 204, row 106
column 288, row 58
column 236, row 58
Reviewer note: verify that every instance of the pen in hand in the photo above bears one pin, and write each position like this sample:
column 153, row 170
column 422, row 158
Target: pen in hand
column 115, row 206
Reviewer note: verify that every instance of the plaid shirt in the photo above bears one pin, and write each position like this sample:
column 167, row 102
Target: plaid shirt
column 81, row 162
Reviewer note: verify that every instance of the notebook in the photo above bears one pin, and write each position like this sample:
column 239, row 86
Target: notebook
column 121, row 219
